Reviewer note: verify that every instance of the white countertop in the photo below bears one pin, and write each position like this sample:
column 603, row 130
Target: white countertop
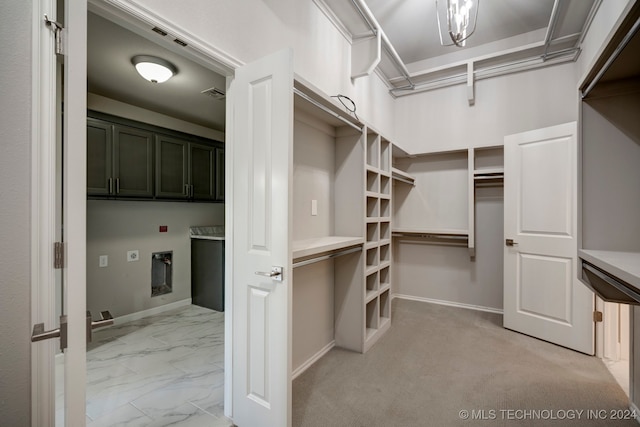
column 623, row 265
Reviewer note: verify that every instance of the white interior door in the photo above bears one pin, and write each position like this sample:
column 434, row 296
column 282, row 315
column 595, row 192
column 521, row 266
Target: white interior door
column 542, row 295
column 262, row 181
column 74, row 209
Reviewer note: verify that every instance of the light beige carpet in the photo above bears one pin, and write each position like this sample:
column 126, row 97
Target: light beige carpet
column 436, row 362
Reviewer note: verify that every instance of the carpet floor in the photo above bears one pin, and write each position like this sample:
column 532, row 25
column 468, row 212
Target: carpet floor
column 446, row 366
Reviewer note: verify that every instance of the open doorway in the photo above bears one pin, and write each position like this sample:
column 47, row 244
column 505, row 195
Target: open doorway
column 616, row 340
column 162, row 350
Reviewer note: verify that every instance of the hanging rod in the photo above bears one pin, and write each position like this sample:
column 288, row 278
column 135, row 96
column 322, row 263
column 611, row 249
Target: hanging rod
column 326, row 257
column 325, row 109
column 430, row 235
column 627, row 38
column 404, row 180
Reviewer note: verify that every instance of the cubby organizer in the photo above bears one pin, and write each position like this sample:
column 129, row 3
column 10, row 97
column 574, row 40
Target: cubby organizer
column 377, row 287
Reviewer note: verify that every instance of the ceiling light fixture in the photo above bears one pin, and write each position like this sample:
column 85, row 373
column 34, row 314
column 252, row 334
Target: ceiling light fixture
column 155, row 70
column 462, row 16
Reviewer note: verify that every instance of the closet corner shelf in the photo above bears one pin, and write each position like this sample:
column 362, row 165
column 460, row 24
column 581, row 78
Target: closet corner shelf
column 624, row 265
column 384, row 287
column 318, row 245
column 370, row 296
column 402, row 176
column 488, row 171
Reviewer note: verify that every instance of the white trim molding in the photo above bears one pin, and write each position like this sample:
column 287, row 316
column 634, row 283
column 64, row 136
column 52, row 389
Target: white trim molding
column 151, row 311
column 333, row 18
column 449, row 303
column 43, row 204
column 313, row 359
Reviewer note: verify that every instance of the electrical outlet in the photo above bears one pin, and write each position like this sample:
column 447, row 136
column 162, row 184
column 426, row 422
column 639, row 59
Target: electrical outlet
column 133, row 255
column 104, row 261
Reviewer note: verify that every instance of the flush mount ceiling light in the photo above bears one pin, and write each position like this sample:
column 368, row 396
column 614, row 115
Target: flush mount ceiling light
column 155, row 70
column 462, row 16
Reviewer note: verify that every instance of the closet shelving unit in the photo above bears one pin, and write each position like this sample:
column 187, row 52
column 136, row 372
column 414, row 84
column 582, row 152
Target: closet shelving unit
column 486, row 169
column 341, row 230
column 377, row 289
column 609, row 200
column 430, row 198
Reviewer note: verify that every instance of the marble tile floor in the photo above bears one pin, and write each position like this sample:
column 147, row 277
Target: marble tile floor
column 166, row 369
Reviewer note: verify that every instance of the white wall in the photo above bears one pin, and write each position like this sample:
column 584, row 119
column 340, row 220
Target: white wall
column 115, row 227
column 442, row 120
column 447, row 273
column 15, row 169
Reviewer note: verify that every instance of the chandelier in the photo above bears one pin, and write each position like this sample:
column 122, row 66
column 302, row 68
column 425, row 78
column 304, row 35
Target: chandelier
column 461, row 20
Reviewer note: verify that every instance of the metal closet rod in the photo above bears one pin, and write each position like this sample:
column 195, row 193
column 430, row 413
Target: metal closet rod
column 325, row 109
column 326, row 257
column 627, row 38
column 404, row 180
column 443, row 236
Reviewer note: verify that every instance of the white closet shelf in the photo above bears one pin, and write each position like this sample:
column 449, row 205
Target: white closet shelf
column 624, row 265
column 488, row 171
column 318, row 245
column 402, row 176
column 384, row 287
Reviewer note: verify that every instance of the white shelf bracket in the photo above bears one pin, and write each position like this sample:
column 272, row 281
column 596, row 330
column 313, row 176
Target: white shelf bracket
column 366, row 54
column 471, row 89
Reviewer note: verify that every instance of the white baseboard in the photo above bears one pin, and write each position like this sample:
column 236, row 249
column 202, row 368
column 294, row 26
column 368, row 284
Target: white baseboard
column 449, row 303
column 313, row 359
column 150, row 312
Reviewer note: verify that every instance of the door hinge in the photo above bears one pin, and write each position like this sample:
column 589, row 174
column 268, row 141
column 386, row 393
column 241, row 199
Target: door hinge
column 58, row 255
column 597, row 316
column 59, row 33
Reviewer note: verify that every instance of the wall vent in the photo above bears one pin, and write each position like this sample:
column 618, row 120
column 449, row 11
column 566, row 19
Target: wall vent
column 180, row 42
column 159, row 31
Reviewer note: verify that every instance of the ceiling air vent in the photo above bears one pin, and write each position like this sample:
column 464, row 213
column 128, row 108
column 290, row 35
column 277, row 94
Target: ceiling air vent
column 180, row 42
column 159, row 31
column 214, row 93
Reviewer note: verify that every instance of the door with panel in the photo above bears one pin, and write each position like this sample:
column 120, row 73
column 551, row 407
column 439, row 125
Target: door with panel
column 262, row 180
column 542, row 295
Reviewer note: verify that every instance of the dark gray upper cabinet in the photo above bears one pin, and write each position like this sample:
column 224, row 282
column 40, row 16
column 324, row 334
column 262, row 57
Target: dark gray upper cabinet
column 137, row 160
column 219, row 174
column 132, row 162
column 118, row 160
column 202, row 171
column 172, row 162
column 99, row 157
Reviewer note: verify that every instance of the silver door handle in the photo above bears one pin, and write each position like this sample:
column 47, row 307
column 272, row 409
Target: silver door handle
column 106, row 319
column 39, row 334
column 510, row 242
column 275, row 273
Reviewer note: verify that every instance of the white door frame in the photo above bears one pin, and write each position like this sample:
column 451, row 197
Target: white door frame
column 43, row 209
column 44, row 195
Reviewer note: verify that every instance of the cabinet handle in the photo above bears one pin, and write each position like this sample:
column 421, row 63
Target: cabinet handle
column 186, row 190
column 117, row 185
column 110, row 185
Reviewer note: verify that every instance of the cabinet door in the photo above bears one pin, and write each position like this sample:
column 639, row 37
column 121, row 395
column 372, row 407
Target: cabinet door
column 220, row 174
column 132, row 162
column 202, row 163
column 171, row 167
column 99, row 156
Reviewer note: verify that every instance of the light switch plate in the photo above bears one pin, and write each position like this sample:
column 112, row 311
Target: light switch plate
column 314, row 207
column 133, row 255
column 103, row 261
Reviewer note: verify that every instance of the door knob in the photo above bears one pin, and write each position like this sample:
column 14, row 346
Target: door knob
column 275, row 273
column 510, row 242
